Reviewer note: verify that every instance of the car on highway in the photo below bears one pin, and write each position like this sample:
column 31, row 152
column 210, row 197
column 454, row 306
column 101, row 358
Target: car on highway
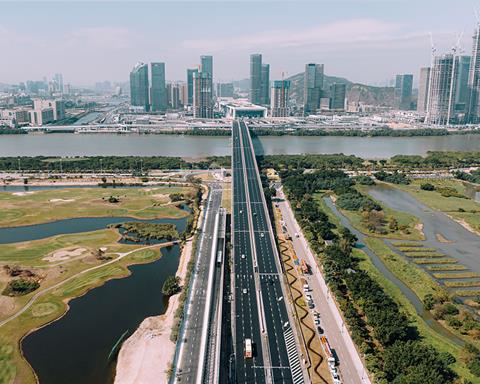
column 297, row 235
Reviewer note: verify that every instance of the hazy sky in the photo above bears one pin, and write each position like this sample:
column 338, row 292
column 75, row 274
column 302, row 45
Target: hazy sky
column 363, row 40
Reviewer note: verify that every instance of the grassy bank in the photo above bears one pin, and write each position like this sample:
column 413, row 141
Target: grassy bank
column 461, row 209
column 441, row 343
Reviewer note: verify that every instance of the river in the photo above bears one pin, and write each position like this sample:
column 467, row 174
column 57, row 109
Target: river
column 67, row 144
column 75, row 348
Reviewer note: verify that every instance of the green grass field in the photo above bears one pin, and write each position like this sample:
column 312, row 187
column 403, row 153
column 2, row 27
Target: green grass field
column 26, row 208
column 51, row 306
column 405, row 220
column 440, row 342
column 417, row 279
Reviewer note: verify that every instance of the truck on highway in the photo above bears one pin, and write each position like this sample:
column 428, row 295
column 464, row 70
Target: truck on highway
column 248, row 349
column 305, row 267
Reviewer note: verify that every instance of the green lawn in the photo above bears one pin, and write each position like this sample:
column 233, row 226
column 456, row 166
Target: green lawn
column 26, row 208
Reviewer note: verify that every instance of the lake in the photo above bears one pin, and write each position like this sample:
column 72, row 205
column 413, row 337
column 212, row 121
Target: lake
column 65, row 144
column 75, row 348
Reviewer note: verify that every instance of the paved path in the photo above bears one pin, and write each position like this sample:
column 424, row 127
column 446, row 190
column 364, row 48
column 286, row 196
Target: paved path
column 351, row 366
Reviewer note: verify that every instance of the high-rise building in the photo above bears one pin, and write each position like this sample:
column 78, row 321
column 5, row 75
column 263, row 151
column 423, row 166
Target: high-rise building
column 158, row 92
column 338, row 93
column 173, row 95
column 183, row 93
column 202, row 95
column 279, row 98
column 225, row 90
column 190, row 73
column 441, row 97
column 206, row 65
column 423, row 88
column 313, row 87
column 58, row 81
column 255, row 78
column 461, row 92
column 265, row 85
column 139, row 86
column 403, row 91
column 474, row 80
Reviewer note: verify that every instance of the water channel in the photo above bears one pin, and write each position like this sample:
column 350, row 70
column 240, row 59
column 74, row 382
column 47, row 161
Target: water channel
column 67, row 144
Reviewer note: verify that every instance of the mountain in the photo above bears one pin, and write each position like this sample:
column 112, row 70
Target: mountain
column 366, row 94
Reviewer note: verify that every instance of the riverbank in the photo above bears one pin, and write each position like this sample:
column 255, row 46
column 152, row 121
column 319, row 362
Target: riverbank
column 145, row 357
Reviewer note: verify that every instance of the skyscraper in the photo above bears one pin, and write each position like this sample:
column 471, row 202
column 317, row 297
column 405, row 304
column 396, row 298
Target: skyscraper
column 313, row 85
column 265, row 85
column 139, row 86
column 474, row 80
column 158, row 92
column 190, row 73
column 206, row 62
column 338, row 93
column 423, row 88
column 58, row 80
column 202, row 95
column 255, row 78
column 280, row 98
column 403, row 91
column 461, row 89
column 442, row 90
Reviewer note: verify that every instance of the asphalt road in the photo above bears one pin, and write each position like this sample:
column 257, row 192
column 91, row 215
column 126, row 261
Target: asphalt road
column 350, row 365
column 258, row 290
column 188, row 362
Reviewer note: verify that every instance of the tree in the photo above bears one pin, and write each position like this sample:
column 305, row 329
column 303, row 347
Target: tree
column 171, row 286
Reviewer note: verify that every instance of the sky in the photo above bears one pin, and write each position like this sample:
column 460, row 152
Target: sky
column 367, row 41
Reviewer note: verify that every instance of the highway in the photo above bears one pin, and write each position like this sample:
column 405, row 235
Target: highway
column 260, row 311
column 188, row 362
column 351, row 366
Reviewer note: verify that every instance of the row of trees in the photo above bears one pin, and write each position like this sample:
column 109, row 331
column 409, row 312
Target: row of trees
column 357, row 132
column 393, row 350
column 438, row 159
column 105, row 163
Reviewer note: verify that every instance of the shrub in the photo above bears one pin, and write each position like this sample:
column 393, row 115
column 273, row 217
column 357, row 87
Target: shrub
column 427, row 187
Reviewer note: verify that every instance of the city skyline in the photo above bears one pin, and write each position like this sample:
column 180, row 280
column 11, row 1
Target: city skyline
column 100, row 48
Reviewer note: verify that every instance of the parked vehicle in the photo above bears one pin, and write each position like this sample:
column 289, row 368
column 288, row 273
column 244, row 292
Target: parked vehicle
column 306, row 288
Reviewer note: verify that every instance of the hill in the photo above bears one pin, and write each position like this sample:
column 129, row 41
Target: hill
column 367, row 94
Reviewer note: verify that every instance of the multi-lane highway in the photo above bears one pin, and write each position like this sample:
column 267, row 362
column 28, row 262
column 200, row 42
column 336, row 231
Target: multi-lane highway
column 260, row 312
column 189, row 344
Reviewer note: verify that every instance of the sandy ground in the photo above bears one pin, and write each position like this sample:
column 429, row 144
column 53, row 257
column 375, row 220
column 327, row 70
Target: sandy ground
column 61, row 200
column 465, row 225
column 146, row 355
column 65, row 254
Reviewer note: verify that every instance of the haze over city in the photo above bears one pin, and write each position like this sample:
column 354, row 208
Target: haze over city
column 364, row 41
